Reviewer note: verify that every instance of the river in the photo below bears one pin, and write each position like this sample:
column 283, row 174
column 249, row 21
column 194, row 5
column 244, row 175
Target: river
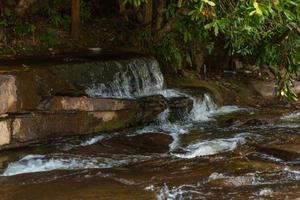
column 210, row 152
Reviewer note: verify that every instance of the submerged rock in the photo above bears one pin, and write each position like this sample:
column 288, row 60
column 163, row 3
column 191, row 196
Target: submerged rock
column 254, row 122
column 287, row 152
column 147, row 142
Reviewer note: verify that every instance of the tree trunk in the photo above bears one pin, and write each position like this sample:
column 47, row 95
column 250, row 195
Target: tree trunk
column 2, row 37
column 198, row 58
column 159, row 15
column 148, row 12
column 75, row 30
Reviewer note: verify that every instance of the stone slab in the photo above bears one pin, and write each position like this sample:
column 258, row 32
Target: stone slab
column 5, row 132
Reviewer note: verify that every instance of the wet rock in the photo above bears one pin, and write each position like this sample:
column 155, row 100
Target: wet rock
column 3, row 160
column 60, row 103
column 254, row 122
column 242, row 165
column 48, row 125
column 151, row 106
column 287, row 152
column 64, row 116
column 23, row 89
column 147, row 142
column 5, row 131
column 8, row 94
column 84, row 74
column 228, row 122
column 267, row 88
column 179, row 107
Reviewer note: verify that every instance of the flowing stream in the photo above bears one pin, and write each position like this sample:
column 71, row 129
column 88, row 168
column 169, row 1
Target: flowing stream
column 209, row 153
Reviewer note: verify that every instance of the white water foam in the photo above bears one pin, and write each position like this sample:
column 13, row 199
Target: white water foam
column 175, row 193
column 43, row 163
column 93, row 140
column 87, row 142
column 206, row 109
column 202, row 111
column 292, row 174
column 163, row 125
column 266, row 192
column 291, row 117
column 210, row 147
column 289, row 120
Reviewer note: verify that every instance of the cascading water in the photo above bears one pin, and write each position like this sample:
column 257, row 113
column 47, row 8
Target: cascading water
column 225, row 152
column 139, row 77
column 142, row 77
column 136, row 78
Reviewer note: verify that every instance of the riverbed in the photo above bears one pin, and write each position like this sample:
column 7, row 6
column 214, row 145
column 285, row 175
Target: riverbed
column 212, row 152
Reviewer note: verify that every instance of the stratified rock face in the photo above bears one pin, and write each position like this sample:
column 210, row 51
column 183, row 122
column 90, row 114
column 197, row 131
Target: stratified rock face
column 36, row 126
column 42, row 102
column 5, row 132
column 65, row 116
column 22, row 90
column 86, row 104
column 8, row 94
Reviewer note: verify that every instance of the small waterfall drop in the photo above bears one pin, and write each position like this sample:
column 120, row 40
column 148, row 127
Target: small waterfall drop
column 137, row 77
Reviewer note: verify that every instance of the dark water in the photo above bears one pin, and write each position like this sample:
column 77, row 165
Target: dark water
column 211, row 153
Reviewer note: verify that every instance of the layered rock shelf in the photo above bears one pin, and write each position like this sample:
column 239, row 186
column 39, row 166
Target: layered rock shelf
column 42, row 102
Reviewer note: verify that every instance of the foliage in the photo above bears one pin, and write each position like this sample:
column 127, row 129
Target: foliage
column 261, row 32
column 264, row 32
column 56, row 17
column 134, row 2
column 85, row 11
column 48, row 37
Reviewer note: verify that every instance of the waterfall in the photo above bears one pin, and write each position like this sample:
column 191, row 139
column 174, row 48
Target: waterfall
column 137, row 77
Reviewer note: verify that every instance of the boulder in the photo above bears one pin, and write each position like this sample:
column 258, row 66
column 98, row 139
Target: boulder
column 179, row 107
column 147, row 142
column 267, row 88
column 150, row 106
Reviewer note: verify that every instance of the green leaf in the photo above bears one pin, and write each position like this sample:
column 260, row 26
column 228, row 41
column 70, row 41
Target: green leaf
column 211, row 3
column 209, row 26
column 257, row 8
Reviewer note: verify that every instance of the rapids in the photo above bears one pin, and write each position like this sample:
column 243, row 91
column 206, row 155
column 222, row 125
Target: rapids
column 209, row 153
